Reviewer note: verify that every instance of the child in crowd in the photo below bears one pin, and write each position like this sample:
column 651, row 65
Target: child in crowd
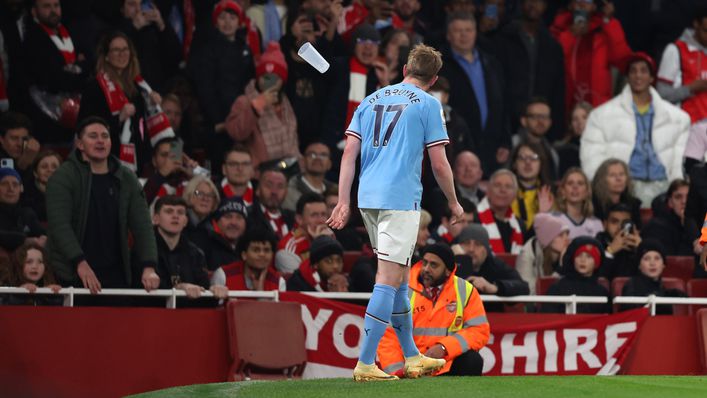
column 28, row 270
column 579, row 265
column 540, row 256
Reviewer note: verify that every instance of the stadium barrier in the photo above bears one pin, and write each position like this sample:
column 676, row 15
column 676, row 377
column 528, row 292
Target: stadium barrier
column 171, row 295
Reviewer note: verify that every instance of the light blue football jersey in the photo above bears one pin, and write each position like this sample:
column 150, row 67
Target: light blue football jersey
column 395, row 125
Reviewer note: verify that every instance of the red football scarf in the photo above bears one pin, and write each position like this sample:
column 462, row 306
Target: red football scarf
column 62, row 41
column 357, row 87
column 311, row 276
column 276, row 222
column 228, row 192
column 487, row 220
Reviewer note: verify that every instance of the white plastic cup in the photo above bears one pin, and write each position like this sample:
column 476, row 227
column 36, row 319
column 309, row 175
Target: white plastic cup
column 312, row 56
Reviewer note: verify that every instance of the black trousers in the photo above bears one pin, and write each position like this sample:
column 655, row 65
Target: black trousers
column 469, row 363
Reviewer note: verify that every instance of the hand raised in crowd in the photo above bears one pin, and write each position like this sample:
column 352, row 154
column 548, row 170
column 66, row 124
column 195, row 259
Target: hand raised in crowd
column 624, row 241
column 127, row 112
column 303, row 29
column 29, row 153
column 140, row 20
column 156, row 97
column 338, row 283
column 339, row 216
column 382, row 72
column 88, row 277
column 154, row 16
column 219, row 291
column 608, row 9
column 483, row 285
column 193, row 291
column 319, row 230
column 502, row 155
column 266, row 99
column 150, row 279
column 436, row 351
column 545, row 199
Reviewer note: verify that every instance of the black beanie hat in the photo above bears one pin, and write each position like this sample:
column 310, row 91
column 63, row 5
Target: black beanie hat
column 648, row 245
column 443, row 251
column 323, row 247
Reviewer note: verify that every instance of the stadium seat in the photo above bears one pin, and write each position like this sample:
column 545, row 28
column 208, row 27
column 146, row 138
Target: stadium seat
column 263, row 343
column 679, row 267
column 543, row 283
column 702, row 337
column 617, row 286
column 350, row 258
column 508, row 258
column 696, row 288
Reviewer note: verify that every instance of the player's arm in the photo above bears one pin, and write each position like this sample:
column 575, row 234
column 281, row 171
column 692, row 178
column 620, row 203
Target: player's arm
column 443, row 174
column 340, row 215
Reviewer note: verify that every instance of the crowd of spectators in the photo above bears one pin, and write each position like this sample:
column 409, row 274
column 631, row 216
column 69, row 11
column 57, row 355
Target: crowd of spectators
column 185, row 144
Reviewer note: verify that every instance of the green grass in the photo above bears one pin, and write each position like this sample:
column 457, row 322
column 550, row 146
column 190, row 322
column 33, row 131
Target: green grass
column 482, row 387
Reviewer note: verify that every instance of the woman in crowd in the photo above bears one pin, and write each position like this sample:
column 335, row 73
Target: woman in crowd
column 568, row 147
column 203, row 199
column 579, row 268
column 612, row 185
column 574, row 204
column 530, row 166
column 540, row 256
column 395, row 47
column 28, row 270
column 119, row 95
column 44, row 166
column 651, row 254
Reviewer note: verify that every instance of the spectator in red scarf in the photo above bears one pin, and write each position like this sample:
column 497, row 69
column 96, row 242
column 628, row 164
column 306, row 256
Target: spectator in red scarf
column 266, row 209
column 237, row 172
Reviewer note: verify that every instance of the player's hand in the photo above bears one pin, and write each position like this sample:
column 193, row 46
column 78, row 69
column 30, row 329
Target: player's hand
column 340, row 216
column 457, row 212
column 436, row 351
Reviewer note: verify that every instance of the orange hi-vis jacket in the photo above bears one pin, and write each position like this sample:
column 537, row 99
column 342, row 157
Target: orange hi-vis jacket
column 457, row 320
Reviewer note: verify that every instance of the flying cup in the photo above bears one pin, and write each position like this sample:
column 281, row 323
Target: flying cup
column 312, row 56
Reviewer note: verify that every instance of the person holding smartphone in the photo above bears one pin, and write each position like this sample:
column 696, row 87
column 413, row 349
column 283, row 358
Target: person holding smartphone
column 620, row 238
column 263, row 119
column 18, row 148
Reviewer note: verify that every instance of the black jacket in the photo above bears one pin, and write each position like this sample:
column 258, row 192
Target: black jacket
column 495, row 271
column 623, row 263
column 676, row 238
column 641, row 285
column 463, row 100
column 549, row 80
column 256, row 218
column 296, row 283
column 217, row 250
column 220, row 70
column 17, row 224
column 159, row 53
column 185, row 264
column 574, row 283
column 35, row 199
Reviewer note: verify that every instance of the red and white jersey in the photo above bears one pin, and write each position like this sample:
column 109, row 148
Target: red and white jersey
column 683, row 62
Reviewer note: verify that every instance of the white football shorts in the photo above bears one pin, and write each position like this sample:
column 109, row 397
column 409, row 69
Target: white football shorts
column 393, row 233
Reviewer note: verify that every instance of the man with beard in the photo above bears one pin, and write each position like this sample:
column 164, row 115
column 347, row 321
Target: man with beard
column 267, row 211
column 219, row 238
column 53, row 65
column 433, row 282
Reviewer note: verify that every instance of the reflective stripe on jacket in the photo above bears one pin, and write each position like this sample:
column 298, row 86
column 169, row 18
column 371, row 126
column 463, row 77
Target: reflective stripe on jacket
column 459, row 328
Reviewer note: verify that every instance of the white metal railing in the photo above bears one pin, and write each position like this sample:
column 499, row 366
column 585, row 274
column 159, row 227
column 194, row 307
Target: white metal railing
column 653, row 300
column 170, row 295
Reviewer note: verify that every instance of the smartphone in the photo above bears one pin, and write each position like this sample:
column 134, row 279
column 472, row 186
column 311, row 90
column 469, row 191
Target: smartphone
column 7, row 163
column 491, row 11
column 269, row 81
column 176, row 149
column 627, row 227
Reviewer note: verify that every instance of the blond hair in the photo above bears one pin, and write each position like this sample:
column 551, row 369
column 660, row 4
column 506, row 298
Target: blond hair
column 424, row 62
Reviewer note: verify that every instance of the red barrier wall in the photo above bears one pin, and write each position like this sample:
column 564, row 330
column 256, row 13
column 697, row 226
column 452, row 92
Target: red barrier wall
column 110, row 352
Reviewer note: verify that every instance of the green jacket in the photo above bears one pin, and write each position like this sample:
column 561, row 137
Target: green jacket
column 68, row 192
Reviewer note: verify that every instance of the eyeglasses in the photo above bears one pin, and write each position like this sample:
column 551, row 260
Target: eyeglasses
column 202, row 194
column 317, row 155
column 529, row 158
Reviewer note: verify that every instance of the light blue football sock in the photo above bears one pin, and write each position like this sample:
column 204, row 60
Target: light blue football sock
column 401, row 320
column 376, row 321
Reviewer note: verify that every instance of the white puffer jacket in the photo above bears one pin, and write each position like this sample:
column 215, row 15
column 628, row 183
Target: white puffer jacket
column 611, row 133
